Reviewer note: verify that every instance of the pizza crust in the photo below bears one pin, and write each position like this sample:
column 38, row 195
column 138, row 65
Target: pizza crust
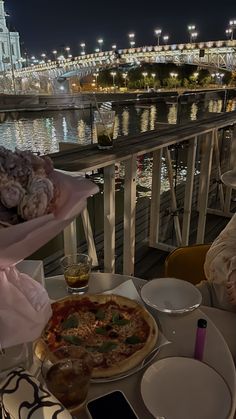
column 41, row 348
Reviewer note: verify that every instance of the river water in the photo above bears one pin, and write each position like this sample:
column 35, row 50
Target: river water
column 42, row 131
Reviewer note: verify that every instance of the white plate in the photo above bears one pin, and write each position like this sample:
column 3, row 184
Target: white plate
column 184, row 388
column 171, row 295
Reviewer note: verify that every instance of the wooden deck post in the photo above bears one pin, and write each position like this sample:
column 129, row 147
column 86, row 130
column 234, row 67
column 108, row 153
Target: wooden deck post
column 129, row 215
column 156, row 198
column 208, row 146
column 218, row 168
column 173, row 197
column 189, row 190
column 109, row 218
column 232, row 163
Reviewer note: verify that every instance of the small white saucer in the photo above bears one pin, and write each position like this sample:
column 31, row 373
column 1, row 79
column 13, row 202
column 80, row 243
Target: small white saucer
column 171, row 295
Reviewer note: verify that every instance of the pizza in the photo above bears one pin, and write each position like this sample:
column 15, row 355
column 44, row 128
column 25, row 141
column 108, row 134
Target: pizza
column 117, row 331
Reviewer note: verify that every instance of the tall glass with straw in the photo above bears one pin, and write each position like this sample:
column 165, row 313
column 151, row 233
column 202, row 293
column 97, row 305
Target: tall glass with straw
column 104, row 128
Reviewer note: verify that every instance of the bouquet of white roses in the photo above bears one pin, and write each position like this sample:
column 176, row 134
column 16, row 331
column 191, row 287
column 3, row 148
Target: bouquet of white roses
column 37, row 203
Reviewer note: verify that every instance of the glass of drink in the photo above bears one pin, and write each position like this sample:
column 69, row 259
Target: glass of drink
column 67, row 372
column 104, row 127
column 76, row 268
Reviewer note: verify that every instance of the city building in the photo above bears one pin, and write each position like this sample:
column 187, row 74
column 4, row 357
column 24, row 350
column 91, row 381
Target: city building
column 10, row 55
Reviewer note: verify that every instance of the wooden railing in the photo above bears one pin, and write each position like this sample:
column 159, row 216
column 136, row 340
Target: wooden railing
column 204, row 133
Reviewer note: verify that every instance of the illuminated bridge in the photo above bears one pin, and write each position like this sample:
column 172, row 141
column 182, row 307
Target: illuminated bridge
column 212, row 55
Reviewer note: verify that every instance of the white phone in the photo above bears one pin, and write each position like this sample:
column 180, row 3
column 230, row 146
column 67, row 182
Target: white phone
column 113, row 405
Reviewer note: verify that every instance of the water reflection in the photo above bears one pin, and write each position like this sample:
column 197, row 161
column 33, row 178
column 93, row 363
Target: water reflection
column 172, row 114
column 42, row 132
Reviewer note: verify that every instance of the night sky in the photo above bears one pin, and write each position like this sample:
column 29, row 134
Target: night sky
column 51, row 24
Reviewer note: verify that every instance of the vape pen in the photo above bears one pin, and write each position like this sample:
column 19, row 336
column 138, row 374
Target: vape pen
column 200, row 339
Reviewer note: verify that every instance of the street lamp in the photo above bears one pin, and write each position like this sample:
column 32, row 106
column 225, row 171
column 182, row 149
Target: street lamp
column 96, row 77
column 113, row 47
column 166, row 38
column 113, row 74
column 192, row 30
column 43, row 55
column 158, row 34
column 144, row 74
column 125, row 75
column 194, row 36
column 55, row 54
column 229, row 33
column 100, row 42
column 174, row 76
column 97, row 50
column 67, row 49
column 83, row 48
column 232, row 25
column 153, row 76
column 131, row 39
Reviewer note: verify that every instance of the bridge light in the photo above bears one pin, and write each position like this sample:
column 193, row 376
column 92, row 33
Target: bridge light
column 113, row 46
column 43, row 55
column 97, row 50
column 158, row 34
column 132, row 43
column 131, row 35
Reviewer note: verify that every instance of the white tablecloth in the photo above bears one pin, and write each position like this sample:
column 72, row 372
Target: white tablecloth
column 179, row 329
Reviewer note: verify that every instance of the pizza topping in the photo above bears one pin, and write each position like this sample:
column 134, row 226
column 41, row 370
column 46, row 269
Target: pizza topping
column 133, row 340
column 74, row 340
column 118, row 319
column 100, row 314
column 101, row 330
column 107, row 346
column 70, row 323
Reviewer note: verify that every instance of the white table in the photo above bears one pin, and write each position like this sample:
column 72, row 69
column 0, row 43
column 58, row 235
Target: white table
column 179, row 329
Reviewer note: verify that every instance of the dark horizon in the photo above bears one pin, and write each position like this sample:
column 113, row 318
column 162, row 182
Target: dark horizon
column 44, row 25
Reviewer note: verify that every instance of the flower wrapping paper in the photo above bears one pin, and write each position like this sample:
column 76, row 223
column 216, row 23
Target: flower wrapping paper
column 24, row 303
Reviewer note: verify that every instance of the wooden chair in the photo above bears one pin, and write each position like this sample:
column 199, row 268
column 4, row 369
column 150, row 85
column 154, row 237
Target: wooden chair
column 187, row 263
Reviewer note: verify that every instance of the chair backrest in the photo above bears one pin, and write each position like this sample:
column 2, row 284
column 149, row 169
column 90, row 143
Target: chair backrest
column 187, row 263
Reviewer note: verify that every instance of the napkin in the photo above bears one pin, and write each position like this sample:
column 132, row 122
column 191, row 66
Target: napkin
column 23, row 397
column 126, row 289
